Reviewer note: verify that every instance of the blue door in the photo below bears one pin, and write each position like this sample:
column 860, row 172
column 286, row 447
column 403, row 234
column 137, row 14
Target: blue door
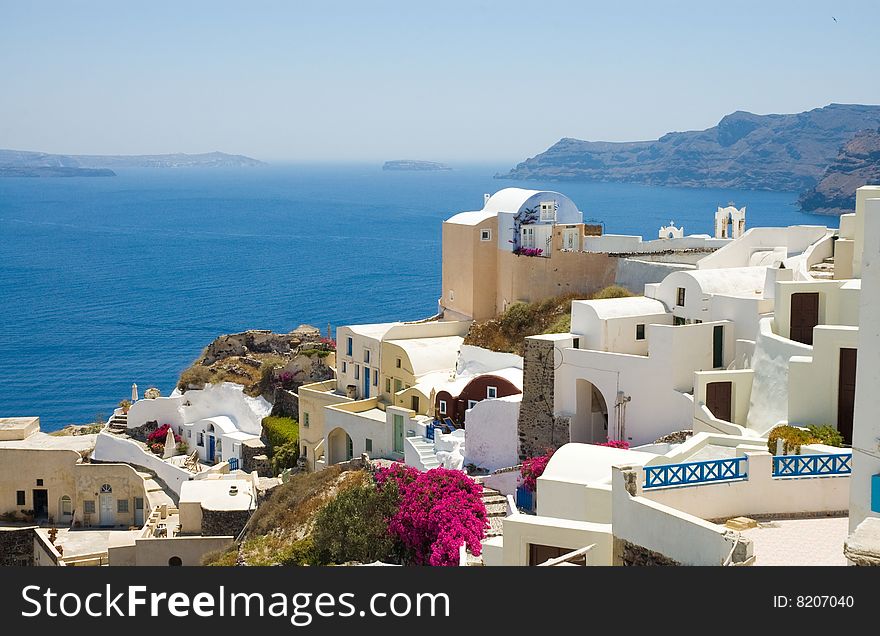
column 366, row 382
column 211, row 448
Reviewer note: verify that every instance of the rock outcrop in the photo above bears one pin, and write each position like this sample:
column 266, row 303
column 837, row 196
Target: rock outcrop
column 761, row 152
column 857, row 164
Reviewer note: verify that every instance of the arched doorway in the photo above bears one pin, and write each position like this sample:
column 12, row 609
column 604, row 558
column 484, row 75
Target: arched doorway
column 339, row 446
column 590, row 424
column 175, row 561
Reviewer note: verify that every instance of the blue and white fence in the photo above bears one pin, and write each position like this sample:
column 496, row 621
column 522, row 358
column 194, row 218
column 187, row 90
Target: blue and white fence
column 736, row 469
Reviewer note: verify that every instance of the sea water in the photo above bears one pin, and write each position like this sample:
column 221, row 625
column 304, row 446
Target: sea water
column 109, row 281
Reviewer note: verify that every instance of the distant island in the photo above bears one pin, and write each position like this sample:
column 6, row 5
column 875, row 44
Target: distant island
column 411, row 164
column 791, row 152
column 25, row 163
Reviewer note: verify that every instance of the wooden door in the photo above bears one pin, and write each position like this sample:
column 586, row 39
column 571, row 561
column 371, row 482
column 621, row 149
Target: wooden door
column 804, row 316
column 718, row 399
column 846, row 393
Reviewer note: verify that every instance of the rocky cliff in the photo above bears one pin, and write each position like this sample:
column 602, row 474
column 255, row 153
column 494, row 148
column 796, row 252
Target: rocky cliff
column 762, row 152
column 34, row 160
column 857, row 164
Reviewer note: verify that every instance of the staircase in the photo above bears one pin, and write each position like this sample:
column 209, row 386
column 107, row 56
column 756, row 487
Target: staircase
column 496, row 510
column 823, row 270
column 425, row 449
column 118, row 423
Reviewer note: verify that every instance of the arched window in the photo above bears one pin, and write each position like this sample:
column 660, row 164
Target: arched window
column 66, row 506
column 175, row 560
column 106, row 488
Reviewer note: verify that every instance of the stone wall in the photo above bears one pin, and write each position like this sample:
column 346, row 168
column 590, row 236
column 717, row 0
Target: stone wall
column 17, row 546
column 259, row 341
column 285, row 403
column 537, row 428
column 223, row 523
column 141, row 432
column 629, row 554
column 254, row 458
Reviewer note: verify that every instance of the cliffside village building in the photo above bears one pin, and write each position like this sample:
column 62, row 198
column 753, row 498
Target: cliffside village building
column 729, row 337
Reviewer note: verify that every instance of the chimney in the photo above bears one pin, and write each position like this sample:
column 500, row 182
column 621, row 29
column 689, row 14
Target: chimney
column 486, row 199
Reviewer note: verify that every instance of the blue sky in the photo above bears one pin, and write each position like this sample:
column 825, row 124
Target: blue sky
column 453, row 81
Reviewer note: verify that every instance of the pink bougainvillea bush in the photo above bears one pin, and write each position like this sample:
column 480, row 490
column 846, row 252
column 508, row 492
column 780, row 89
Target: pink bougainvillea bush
column 440, row 510
column 156, row 439
column 616, row 443
column 533, row 468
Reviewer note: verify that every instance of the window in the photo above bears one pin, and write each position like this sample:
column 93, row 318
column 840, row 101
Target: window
column 344, row 367
column 492, row 392
column 698, row 322
column 66, row 506
column 472, row 403
column 201, row 439
column 485, row 235
column 305, row 452
column 576, row 343
column 442, row 407
column 414, row 403
column 138, row 503
column 122, row 506
column 387, row 385
column 680, row 299
column 375, row 377
column 305, row 420
column 548, row 210
column 367, row 355
column 39, row 482
column 678, row 321
column 398, row 385
column 398, row 363
column 89, row 506
column 189, row 434
column 357, row 372
column 175, row 561
column 368, row 445
column 348, row 346
column 19, row 498
column 105, row 488
column 640, row 332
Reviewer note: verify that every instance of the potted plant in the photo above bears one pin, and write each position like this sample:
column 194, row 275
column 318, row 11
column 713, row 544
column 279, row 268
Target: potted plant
column 125, row 405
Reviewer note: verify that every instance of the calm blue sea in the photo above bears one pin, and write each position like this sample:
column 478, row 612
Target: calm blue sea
column 109, row 281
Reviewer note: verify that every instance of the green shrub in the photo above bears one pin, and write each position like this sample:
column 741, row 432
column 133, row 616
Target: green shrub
column 793, row 438
column 285, row 456
column 280, row 431
column 613, row 291
column 321, row 353
column 827, row 435
column 353, row 526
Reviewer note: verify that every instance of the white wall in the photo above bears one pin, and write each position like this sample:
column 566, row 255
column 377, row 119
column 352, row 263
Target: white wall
column 760, row 494
column 795, row 239
column 634, row 274
column 109, row 448
column 522, row 530
column 491, row 437
column 768, row 403
column 866, row 423
column 684, row 538
column 476, row 360
column 359, row 428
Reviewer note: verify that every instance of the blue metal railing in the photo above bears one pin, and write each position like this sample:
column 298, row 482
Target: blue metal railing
column 812, row 465
column 525, row 499
column 693, row 473
column 233, row 463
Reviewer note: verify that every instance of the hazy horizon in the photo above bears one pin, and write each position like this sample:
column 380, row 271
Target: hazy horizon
column 461, row 82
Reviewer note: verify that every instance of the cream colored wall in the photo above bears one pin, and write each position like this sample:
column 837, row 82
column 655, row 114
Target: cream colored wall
column 577, row 502
column 837, row 306
column 190, row 517
column 390, row 354
column 469, row 269
column 533, row 278
column 20, row 469
column 522, row 530
column 404, row 399
column 122, row 478
column 741, row 391
column 157, row 552
column 813, row 381
column 24, row 427
column 312, row 400
column 359, row 344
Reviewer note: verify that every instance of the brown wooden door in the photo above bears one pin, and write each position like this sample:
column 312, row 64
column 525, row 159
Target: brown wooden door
column 804, row 316
column 718, row 399
column 539, row 554
column 846, row 393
